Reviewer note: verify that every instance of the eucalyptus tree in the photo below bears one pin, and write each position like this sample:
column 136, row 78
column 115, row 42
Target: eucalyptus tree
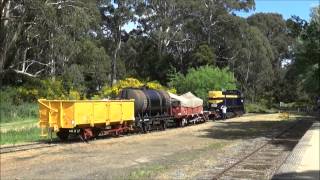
column 11, row 15
column 40, row 36
column 161, row 21
column 304, row 69
column 253, row 66
column 115, row 15
column 273, row 26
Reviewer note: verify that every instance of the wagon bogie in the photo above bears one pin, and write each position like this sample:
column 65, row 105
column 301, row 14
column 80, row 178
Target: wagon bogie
column 63, row 134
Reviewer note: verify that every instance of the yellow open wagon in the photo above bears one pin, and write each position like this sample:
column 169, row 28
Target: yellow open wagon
column 86, row 117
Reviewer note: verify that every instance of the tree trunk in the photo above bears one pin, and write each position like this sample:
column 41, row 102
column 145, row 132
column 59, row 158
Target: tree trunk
column 3, row 55
column 114, row 59
column 52, row 61
column 4, row 13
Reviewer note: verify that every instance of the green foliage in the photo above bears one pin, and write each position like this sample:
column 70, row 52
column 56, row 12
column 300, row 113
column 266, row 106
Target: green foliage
column 73, row 78
column 82, row 45
column 13, row 108
column 203, row 55
column 19, row 136
column 295, row 26
column 202, row 80
column 51, row 89
column 255, row 108
column 25, row 111
column 42, row 89
column 304, row 73
column 42, row 36
column 114, row 91
column 74, row 95
column 92, row 67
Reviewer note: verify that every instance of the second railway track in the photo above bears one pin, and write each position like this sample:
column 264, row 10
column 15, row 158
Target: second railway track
column 25, row 147
column 264, row 160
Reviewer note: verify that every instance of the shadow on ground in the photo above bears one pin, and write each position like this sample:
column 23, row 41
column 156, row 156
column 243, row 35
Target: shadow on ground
column 259, row 129
column 305, row 175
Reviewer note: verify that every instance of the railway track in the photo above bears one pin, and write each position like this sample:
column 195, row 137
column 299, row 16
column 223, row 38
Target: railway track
column 54, row 142
column 25, row 147
column 40, row 145
column 264, row 160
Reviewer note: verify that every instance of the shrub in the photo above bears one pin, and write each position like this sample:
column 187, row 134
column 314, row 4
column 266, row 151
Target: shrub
column 202, row 80
column 114, row 91
column 74, row 95
column 13, row 109
column 52, row 89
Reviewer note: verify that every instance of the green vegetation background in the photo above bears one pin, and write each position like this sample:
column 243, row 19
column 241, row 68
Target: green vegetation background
column 58, row 52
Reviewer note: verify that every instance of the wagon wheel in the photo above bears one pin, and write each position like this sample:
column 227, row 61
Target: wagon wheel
column 86, row 134
column 178, row 123
column 150, row 126
column 143, row 127
column 96, row 132
column 63, row 134
column 183, row 122
column 163, row 125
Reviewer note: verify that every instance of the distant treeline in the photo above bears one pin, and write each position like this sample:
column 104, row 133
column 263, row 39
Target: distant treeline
column 87, row 45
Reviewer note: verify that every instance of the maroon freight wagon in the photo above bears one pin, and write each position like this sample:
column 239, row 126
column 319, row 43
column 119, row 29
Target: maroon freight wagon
column 187, row 109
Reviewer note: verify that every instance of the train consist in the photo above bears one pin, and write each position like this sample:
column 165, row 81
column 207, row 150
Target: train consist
column 232, row 99
column 138, row 109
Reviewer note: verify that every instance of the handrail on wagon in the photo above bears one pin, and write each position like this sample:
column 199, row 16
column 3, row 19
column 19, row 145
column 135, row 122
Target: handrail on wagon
column 40, row 101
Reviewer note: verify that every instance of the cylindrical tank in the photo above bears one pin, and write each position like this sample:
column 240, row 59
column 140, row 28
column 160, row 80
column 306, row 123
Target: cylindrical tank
column 148, row 101
column 154, row 102
column 166, row 100
column 140, row 99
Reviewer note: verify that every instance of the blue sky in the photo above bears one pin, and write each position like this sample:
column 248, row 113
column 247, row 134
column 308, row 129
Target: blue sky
column 287, row 8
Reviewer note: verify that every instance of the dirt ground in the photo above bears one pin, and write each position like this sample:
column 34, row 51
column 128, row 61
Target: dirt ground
column 181, row 153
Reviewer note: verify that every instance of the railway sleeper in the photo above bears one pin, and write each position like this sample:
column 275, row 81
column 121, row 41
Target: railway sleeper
column 254, row 166
column 262, row 161
column 270, row 154
column 245, row 174
column 241, row 170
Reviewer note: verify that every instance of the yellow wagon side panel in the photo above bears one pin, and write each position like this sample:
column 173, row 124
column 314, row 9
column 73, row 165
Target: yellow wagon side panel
column 100, row 112
column 115, row 112
column 83, row 113
column 128, row 110
column 119, row 111
column 54, row 119
column 43, row 116
column 68, row 114
column 67, row 111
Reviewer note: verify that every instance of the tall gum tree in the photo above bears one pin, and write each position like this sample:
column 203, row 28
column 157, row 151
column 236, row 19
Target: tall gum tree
column 39, row 36
column 115, row 15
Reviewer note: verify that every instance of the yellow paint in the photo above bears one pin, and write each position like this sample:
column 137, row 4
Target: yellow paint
column 218, row 94
column 284, row 115
column 58, row 114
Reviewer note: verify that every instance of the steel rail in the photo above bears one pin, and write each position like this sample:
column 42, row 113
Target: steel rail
column 274, row 138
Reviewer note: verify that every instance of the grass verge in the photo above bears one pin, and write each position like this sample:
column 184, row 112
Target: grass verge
column 258, row 108
column 18, row 125
column 19, row 136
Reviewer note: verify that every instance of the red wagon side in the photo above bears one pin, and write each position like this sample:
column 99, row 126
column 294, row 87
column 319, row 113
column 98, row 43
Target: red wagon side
column 187, row 109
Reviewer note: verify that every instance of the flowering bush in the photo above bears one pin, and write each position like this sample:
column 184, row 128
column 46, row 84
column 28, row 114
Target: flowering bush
column 114, row 91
